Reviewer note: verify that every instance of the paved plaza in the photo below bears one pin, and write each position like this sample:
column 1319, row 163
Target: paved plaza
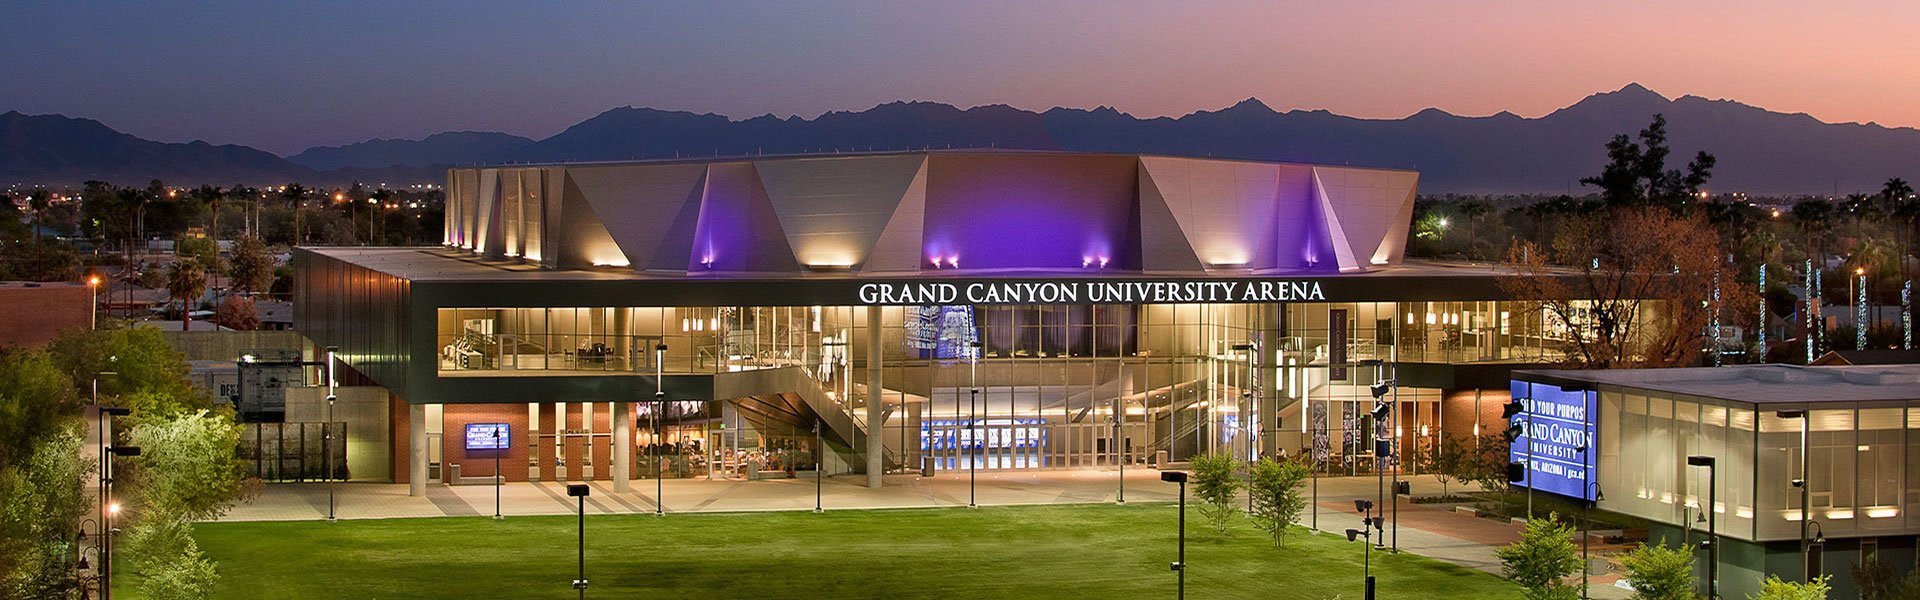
column 1424, row 530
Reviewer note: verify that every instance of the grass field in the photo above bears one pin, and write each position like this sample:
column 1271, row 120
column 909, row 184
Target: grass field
column 1091, row 551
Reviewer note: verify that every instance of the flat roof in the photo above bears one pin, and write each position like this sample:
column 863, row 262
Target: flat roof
column 718, row 158
column 1755, row 384
column 440, row 264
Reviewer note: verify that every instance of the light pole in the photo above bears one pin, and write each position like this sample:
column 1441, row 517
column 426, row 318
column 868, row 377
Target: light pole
column 326, row 440
column 1180, row 565
column 819, row 465
column 498, row 449
column 1586, row 530
column 93, row 302
column 1713, row 537
column 973, row 435
column 1368, row 525
column 1246, row 410
column 660, row 404
column 1806, row 573
column 1119, row 410
column 580, row 491
column 108, row 508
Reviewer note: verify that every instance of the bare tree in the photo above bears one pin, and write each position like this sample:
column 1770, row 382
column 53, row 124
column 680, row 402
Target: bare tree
column 1632, row 287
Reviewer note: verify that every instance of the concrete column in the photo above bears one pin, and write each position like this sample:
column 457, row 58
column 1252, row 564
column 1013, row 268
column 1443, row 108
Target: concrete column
column 622, row 446
column 876, row 445
column 416, row 450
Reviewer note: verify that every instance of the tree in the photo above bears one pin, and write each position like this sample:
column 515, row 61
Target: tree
column 1446, row 460
column 1775, row 589
column 1660, row 572
column 186, row 282
column 1215, row 486
column 188, row 468
column 1542, row 559
column 43, row 500
column 251, row 266
column 238, row 313
column 1275, row 488
column 1630, row 289
column 1636, row 172
column 35, row 401
column 1485, row 463
column 149, row 376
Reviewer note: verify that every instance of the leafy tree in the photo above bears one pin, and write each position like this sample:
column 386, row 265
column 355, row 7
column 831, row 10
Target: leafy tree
column 188, row 468
column 35, row 399
column 1876, row 581
column 1215, row 485
column 43, row 502
column 1542, row 559
column 1660, row 572
column 148, row 375
column 186, row 282
column 1485, row 463
column 237, row 312
column 251, row 266
column 1636, row 172
column 1775, row 589
column 170, row 563
column 1275, row 488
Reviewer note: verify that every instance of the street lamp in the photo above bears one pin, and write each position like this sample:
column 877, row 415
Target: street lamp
column 819, row 465
column 973, row 435
column 498, row 449
column 1713, row 538
column 580, row 491
column 1586, row 528
column 660, row 404
column 93, row 302
column 326, row 441
column 1246, row 414
column 1368, row 525
column 1801, row 482
column 108, row 508
column 1180, row 565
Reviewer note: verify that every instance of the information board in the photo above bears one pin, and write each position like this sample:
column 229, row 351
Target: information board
column 1556, row 444
column 482, row 436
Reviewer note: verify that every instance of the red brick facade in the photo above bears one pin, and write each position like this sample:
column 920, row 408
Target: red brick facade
column 36, row 315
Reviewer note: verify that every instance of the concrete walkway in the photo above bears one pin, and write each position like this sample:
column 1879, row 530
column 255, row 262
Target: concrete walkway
column 1424, row 530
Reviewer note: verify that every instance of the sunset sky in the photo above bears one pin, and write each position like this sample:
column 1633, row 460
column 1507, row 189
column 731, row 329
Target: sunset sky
column 283, row 78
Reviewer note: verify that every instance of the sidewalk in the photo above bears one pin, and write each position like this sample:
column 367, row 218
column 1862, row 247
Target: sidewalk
column 1424, row 530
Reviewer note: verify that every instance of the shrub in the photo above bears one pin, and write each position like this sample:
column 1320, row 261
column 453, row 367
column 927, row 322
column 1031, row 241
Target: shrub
column 1660, row 572
column 1542, row 559
column 1275, row 487
column 1775, row 589
column 1215, row 486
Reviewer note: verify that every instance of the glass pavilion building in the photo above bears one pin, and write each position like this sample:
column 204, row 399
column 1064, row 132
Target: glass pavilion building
column 925, row 310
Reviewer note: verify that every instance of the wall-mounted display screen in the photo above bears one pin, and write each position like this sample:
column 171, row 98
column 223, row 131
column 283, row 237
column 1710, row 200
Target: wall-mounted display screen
column 488, row 436
column 1558, row 424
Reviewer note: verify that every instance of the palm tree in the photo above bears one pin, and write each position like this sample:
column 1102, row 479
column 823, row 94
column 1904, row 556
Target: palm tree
column 186, row 282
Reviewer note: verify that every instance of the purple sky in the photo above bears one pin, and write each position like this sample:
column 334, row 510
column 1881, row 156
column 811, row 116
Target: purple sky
column 285, row 77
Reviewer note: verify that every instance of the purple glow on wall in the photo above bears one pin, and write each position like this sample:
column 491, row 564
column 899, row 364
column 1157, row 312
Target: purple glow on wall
column 1032, row 212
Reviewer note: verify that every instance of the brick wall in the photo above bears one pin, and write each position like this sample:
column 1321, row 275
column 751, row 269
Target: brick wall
column 1460, row 417
column 34, row 316
column 480, row 463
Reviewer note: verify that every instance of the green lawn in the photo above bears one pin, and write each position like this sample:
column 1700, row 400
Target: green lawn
column 1092, row 551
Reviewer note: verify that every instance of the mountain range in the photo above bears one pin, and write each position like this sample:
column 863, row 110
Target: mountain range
column 1760, row 151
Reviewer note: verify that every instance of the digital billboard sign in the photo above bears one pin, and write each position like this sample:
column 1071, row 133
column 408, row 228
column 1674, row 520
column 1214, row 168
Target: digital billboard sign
column 488, row 436
column 1556, row 443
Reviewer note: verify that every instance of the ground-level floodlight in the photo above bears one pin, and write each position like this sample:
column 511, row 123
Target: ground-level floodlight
column 581, row 491
column 1180, row 566
column 1508, row 410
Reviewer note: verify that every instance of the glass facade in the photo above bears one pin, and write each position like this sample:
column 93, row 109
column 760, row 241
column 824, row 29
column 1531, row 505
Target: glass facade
column 1057, row 385
column 1861, row 465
